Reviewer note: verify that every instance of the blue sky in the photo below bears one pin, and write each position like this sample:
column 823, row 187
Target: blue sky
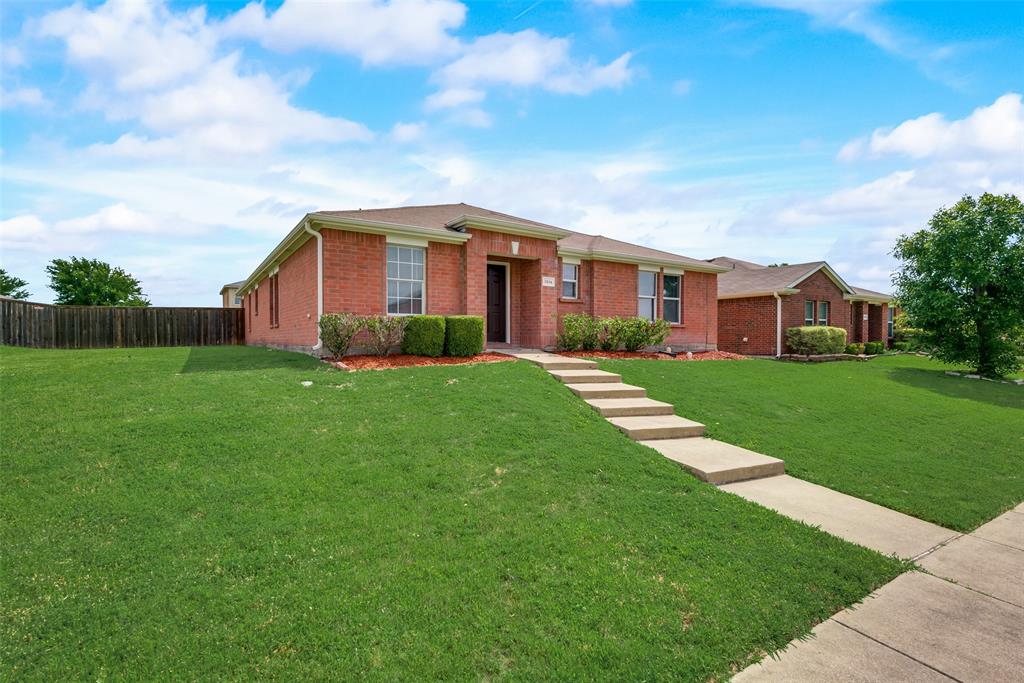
column 181, row 141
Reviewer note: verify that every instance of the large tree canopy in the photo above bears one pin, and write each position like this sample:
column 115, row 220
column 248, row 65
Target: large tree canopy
column 12, row 286
column 88, row 282
column 962, row 281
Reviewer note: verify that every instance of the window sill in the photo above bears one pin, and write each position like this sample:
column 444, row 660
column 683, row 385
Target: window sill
column 676, row 325
column 565, row 300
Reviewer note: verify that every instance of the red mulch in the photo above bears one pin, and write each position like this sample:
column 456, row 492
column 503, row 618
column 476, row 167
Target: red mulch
column 698, row 355
column 403, row 361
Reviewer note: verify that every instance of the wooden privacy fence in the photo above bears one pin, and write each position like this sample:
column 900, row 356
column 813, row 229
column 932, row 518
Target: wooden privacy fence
column 44, row 326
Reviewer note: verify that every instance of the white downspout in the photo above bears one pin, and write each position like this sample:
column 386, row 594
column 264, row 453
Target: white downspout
column 778, row 324
column 319, row 282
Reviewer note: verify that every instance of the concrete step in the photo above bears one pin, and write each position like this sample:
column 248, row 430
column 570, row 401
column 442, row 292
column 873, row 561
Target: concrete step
column 644, row 427
column 585, row 376
column 610, row 390
column 551, row 361
column 626, row 407
column 718, row 462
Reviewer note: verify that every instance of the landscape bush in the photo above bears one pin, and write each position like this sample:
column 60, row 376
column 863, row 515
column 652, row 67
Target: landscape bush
column 901, row 346
column 424, row 335
column 463, row 335
column 585, row 332
column 337, row 331
column 580, row 332
column 855, row 349
column 816, row 340
column 384, row 332
column 874, row 348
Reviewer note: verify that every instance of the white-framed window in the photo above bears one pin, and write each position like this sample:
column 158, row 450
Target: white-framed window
column 570, row 281
column 808, row 313
column 888, row 326
column 647, row 288
column 405, row 279
column 823, row 313
column 672, row 289
column 238, row 301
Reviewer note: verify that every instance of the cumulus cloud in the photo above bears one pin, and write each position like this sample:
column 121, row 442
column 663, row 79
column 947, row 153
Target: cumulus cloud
column 21, row 97
column 159, row 69
column 374, row 31
column 996, row 130
column 407, row 132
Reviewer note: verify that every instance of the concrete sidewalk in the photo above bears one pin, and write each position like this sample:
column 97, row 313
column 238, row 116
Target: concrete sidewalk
column 963, row 620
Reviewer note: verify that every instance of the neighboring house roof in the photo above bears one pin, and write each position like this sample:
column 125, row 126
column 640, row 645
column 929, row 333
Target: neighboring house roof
column 232, row 285
column 734, row 262
column 861, row 294
column 448, row 222
column 753, row 279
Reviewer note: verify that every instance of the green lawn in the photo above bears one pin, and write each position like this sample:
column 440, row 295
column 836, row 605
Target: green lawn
column 894, row 430
column 199, row 514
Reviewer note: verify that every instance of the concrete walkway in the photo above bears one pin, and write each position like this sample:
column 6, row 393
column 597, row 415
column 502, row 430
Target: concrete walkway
column 653, row 423
column 960, row 618
column 963, row 620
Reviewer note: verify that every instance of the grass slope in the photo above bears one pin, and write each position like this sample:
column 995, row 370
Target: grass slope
column 177, row 514
column 894, row 430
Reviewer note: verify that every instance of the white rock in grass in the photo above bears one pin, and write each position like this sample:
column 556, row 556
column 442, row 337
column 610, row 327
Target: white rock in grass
column 952, row 374
column 307, row 383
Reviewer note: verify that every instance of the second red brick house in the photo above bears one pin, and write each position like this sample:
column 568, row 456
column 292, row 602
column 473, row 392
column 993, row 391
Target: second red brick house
column 757, row 303
column 522, row 276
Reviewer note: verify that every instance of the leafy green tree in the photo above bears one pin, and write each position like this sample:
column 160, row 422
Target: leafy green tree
column 89, row 282
column 12, row 286
column 962, row 281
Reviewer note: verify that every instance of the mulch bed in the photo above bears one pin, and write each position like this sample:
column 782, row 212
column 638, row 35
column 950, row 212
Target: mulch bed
column 403, row 361
column 698, row 355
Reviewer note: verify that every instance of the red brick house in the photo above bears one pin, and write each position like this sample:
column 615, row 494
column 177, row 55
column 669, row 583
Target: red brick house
column 450, row 259
column 757, row 303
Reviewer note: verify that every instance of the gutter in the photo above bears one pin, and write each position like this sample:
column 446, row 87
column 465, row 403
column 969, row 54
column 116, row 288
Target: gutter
column 778, row 324
column 319, row 280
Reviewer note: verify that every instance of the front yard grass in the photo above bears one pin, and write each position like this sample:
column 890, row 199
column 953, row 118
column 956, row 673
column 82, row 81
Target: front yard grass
column 199, row 514
column 894, row 430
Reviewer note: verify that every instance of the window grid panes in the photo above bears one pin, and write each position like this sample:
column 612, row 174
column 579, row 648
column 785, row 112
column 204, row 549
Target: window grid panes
column 570, row 280
column 646, row 288
column 823, row 313
column 808, row 313
column 671, row 298
column 889, row 325
column 405, row 280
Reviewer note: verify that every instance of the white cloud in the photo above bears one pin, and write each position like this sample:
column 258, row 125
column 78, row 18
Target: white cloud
column 115, row 218
column 377, row 32
column 531, row 59
column 453, row 97
column 138, row 44
column 21, row 97
column 407, row 132
column 11, row 56
column 20, row 228
column 158, row 69
column 990, row 132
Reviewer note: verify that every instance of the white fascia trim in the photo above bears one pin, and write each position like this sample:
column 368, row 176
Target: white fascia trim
column 697, row 266
column 833, row 275
column 766, row 292
column 466, row 221
column 298, row 236
column 406, row 241
column 391, row 229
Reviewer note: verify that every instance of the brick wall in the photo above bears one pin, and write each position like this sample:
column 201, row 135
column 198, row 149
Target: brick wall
column 751, row 319
column 817, row 287
column 296, row 281
column 609, row 289
column 445, row 279
column 878, row 322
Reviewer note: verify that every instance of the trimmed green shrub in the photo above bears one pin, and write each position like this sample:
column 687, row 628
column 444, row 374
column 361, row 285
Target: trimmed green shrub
column 424, row 335
column 816, row 340
column 384, row 332
column 463, row 335
column 855, row 349
column 337, row 331
column 580, row 331
column 608, row 337
column 874, row 348
column 901, row 346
